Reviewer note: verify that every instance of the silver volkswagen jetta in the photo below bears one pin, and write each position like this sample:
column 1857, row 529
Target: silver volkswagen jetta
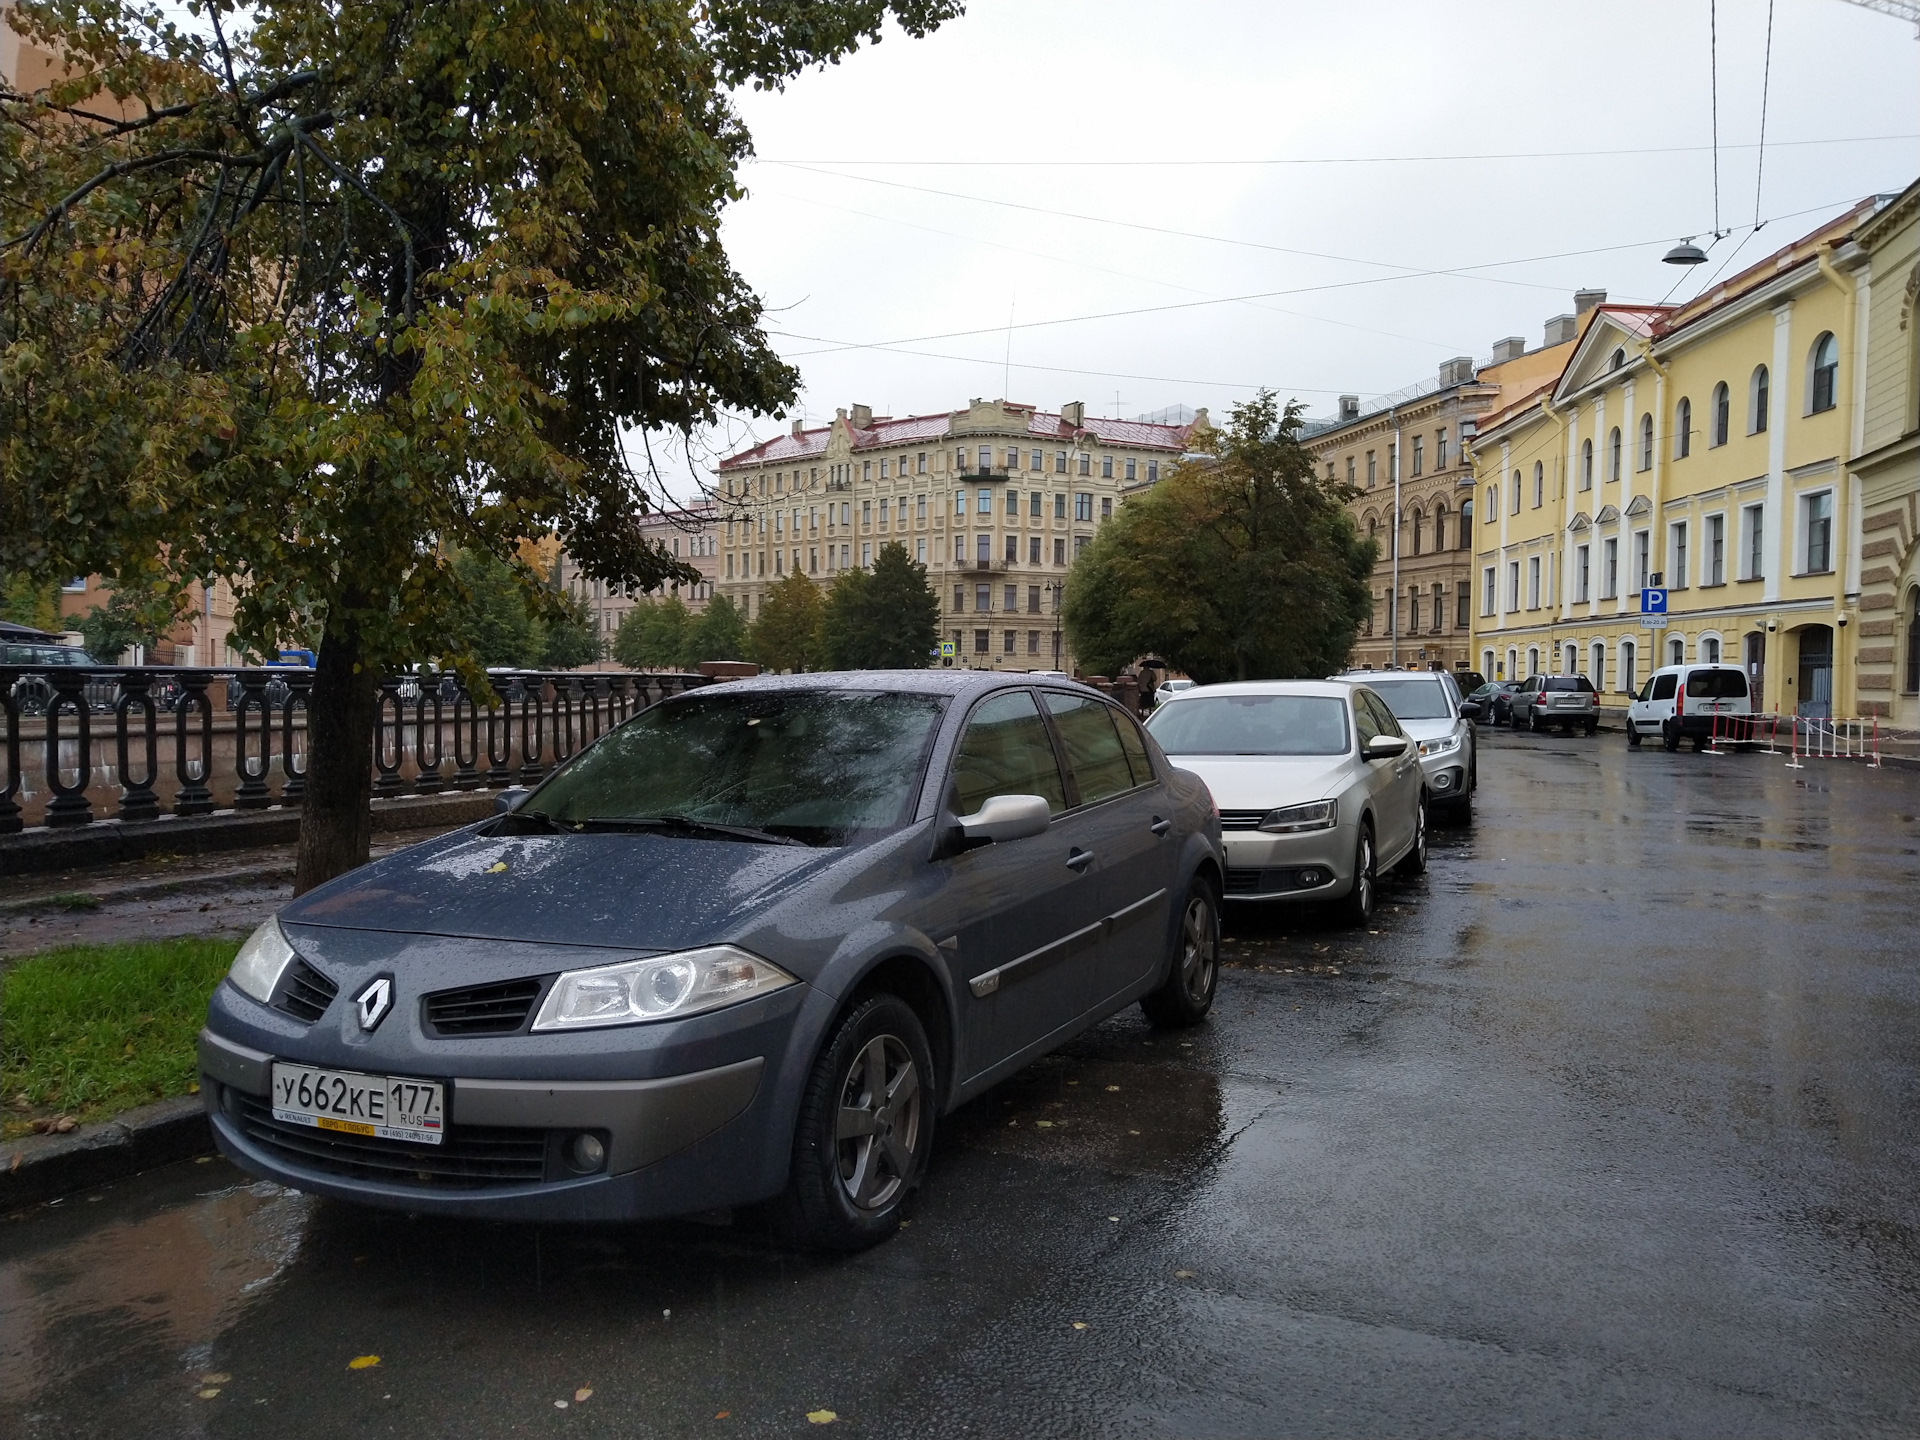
column 748, row 946
column 1319, row 788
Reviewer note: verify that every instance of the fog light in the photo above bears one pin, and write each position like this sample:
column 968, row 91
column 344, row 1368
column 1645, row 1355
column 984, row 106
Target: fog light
column 1311, row 877
column 1443, row 782
column 586, row 1154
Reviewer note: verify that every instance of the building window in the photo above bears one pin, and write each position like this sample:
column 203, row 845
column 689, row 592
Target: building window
column 986, row 458
column 1598, row 665
column 1533, row 660
column 1677, row 556
column 1153, row 472
column 1465, row 542
column 1080, row 545
column 1817, row 511
column 1710, row 650
column 1417, row 518
column 1106, row 467
column 1439, row 607
column 981, row 644
column 1757, row 392
column 1646, row 441
column 983, row 550
column 1486, row 591
column 1609, row 568
column 1086, row 464
column 1913, row 643
column 1721, row 417
column 1372, row 470
column 920, row 463
column 1033, row 549
column 983, row 503
column 1581, row 556
column 959, row 502
column 1419, row 460
column 920, row 510
column 959, row 549
column 1059, row 462
column 1539, row 484
column 1461, row 619
column 1586, row 464
column 1013, row 549
column 1752, row 531
column 1716, row 557
column 1060, row 552
column 1533, row 582
column 1824, row 382
column 1036, row 461
column 1513, row 586
column 1083, row 505
column 1033, row 642
column 1613, row 454
column 1629, row 661
column 1013, row 457
column 866, row 556
column 1033, row 599
column 1641, row 548
column 920, row 550
column 1349, row 470
column 1440, row 449
column 959, row 599
column 1413, row 609
column 1439, row 528
column 1677, row 650
column 1013, row 504
column 1033, row 503
column 1130, row 468
column 982, row 599
column 1106, row 507
column 1007, row 647
column 1060, row 506
column 1683, row 429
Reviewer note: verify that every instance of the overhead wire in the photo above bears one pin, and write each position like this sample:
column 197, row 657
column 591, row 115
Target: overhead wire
column 1713, row 74
column 1766, row 78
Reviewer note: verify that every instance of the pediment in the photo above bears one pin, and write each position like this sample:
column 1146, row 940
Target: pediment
column 1579, row 522
column 1639, row 505
column 1612, row 343
column 1608, row 514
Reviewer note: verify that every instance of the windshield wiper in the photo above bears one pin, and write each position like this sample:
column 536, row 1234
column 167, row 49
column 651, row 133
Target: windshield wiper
column 686, row 824
column 526, row 820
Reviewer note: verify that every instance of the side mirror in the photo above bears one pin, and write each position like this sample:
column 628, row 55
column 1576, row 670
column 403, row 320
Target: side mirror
column 1469, row 709
column 1385, row 747
column 508, row 800
column 1007, row 817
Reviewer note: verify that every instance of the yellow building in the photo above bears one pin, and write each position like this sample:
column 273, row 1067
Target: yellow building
column 1704, row 447
column 1889, row 466
column 996, row 500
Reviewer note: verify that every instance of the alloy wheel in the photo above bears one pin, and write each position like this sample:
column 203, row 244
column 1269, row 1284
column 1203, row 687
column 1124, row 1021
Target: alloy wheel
column 1199, row 949
column 1363, row 877
column 878, row 1130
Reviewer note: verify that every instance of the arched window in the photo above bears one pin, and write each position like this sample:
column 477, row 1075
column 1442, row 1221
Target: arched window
column 1440, row 527
column 1757, row 401
column 1613, row 454
column 1493, row 499
column 1683, row 429
column 1417, row 518
column 1586, row 464
column 1629, row 658
column 1646, row 441
column 1439, row 607
column 1616, row 360
column 1913, row 643
column 1824, row 389
column 1514, row 507
column 1466, row 524
column 1533, row 660
column 1722, row 408
column 1597, row 666
column 1539, row 484
column 1677, row 650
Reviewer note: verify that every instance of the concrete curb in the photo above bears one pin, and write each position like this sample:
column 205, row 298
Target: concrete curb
column 214, row 880
column 41, row 850
column 38, row 1168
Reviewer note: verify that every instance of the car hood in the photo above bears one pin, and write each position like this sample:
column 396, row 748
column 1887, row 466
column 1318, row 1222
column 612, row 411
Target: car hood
column 646, row 891
column 1428, row 729
column 1265, row 782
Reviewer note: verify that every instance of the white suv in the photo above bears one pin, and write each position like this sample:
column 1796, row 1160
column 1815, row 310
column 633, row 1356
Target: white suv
column 1691, row 701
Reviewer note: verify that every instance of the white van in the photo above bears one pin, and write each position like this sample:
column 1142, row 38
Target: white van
column 1689, row 700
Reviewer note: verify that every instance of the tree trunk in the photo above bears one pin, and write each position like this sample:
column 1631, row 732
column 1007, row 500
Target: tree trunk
column 336, row 824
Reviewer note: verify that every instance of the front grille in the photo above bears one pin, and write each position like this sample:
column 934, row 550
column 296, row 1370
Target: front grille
column 471, row 1157
column 499, row 1009
column 1275, row 882
column 1242, row 819
column 304, row 992
column 1243, row 882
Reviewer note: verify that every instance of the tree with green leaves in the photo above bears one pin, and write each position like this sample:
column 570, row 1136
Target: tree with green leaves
column 493, row 623
column 719, row 632
column 652, row 635
column 887, row 618
column 787, row 634
column 129, row 618
column 573, row 639
column 320, row 294
column 1242, row 565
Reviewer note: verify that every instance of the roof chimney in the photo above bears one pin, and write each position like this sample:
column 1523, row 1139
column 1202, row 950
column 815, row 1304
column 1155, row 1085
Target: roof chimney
column 1349, row 407
column 1511, row 348
column 862, row 417
column 1200, row 420
column 1562, row 328
column 1585, row 300
column 799, row 427
column 1074, row 412
column 1457, row 371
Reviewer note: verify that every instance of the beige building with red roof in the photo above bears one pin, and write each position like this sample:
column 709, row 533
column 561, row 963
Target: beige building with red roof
column 995, row 500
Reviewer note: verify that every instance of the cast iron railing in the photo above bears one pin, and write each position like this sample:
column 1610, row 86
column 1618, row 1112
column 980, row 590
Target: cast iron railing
column 142, row 740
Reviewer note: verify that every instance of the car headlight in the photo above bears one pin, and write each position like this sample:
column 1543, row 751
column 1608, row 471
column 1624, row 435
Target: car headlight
column 1292, row 819
column 664, row 987
column 261, row 962
column 1440, row 746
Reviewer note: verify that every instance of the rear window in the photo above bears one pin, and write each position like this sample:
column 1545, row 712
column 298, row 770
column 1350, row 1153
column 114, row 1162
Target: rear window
column 1570, row 682
column 1716, row 685
column 1415, row 698
column 1213, row 724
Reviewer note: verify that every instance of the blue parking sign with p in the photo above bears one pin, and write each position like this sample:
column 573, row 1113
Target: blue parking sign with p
column 1653, row 601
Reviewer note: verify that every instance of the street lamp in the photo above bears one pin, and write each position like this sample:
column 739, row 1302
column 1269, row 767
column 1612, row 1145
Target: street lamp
column 1056, row 591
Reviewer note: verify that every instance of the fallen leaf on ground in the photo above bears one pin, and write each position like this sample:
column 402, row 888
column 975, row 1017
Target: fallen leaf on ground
column 559, row 1404
column 821, row 1417
column 1183, row 1274
column 1113, row 1087
column 584, row 1392
column 215, row 1378
column 1079, row 1324
column 1043, row 1124
column 210, row 1392
column 721, row 1414
column 64, row 1125
column 363, row 1362
column 496, row 867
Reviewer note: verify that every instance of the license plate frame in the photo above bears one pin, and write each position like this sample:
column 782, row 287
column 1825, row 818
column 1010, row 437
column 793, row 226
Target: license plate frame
column 355, row 1102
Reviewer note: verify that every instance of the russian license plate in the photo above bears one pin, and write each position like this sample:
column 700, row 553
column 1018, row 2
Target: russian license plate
column 390, row 1106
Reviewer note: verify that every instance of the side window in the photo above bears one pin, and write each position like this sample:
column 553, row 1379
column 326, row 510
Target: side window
column 1383, row 715
column 1663, row 686
column 1365, row 726
column 1136, row 749
column 1098, row 763
column 1006, row 751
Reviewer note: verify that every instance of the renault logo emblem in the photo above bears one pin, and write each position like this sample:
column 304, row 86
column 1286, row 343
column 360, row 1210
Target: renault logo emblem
column 374, row 1002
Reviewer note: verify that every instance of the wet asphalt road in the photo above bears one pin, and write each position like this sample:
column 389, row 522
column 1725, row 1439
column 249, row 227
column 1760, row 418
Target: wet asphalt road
column 1611, row 1129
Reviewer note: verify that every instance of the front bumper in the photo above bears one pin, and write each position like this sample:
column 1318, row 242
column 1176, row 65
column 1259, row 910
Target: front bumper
column 1317, row 865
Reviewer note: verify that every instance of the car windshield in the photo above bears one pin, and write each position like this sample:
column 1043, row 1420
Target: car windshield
column 814, row 766
column 1252, row 725
column 1716, row 685
column 1414, row 698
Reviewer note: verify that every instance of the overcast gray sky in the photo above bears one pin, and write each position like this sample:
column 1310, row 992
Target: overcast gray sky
column 1028, row 160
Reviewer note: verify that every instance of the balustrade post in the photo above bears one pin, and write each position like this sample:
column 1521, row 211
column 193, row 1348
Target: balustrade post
column 465, row 757
column 192, row 795
column 300, row 693
column 427, row 779
column 69, row 805
column 252, row 700
column 137, row 800
column 388, row 781
column 500, row 727
column 563, row 732
column 11, row 822
column 532, row 746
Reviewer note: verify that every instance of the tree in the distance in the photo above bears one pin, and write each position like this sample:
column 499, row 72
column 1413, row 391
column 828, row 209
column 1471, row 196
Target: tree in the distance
column 787, row 634
column 358, row 286
column 1244, row 565
column 573, row 639
column 887, row 618
column 493, row 623
column 718, row 632
column 652, row 634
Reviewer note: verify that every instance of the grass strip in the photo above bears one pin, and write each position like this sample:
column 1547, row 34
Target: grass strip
column 91, row 1030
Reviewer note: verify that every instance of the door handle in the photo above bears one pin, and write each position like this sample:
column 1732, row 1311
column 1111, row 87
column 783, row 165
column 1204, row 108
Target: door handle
column 1159, row 826
column 1079, row 860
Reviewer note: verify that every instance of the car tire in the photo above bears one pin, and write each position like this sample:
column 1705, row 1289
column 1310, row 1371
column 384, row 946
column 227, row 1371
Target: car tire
column 1533, row 724
column 846, row 1192
column 1669, row 740
column 1357, row 908
column 1633, row 736
column 1193, row 971
column 1414, row 862
column 1593, row 727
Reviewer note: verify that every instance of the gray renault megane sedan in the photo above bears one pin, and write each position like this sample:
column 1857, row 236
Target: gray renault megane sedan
column 746, row 947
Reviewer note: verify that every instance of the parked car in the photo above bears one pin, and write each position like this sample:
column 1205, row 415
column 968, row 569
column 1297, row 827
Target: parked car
column 746, row 947
column 1689, row 701
column 1564, row 700
column 1435, row 715
column 1319, row 788
column 1468, row 680
column 32, row 694
column 1490, row 702
column 1170, row 688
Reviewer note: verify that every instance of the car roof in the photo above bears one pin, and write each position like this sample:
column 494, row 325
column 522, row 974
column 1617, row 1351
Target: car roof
column 1367, row 677
column 1332, row 689
column 910, row 682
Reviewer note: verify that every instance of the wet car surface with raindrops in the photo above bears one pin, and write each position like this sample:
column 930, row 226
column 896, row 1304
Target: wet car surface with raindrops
column 1607, row 1127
